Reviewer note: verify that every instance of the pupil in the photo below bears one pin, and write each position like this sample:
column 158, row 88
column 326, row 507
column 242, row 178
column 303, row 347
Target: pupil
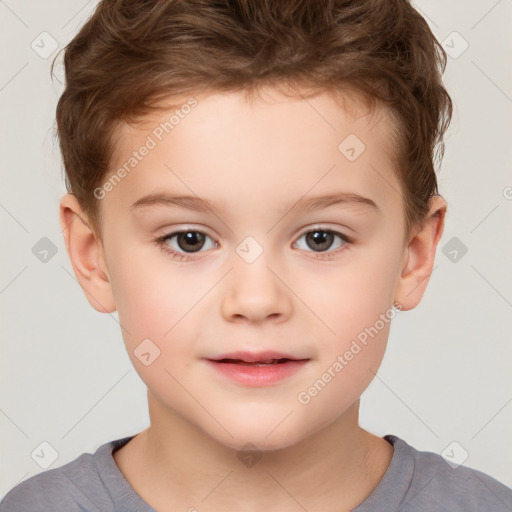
column 191, row 238
column 323, row 239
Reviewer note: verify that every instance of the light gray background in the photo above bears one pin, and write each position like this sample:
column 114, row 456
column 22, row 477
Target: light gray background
column 65, row 377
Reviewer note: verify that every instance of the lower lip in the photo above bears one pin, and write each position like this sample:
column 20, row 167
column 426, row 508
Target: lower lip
column 257, row 375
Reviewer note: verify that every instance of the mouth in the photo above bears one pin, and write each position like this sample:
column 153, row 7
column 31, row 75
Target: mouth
column 256, row 363
column 254, row 370
column 261, row 357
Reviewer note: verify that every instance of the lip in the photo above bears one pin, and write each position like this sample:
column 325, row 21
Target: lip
column 254, row 357
column 247, row 374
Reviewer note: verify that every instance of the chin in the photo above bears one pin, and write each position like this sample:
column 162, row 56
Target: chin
column 259, row 437
column 258, row 443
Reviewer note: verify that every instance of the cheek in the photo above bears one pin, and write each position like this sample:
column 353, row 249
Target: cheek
column 350, row 298
column 157, row 306
column 355, row 314
column 149, row 302
column 352, row 349
column 149, row 295
column 152, row 310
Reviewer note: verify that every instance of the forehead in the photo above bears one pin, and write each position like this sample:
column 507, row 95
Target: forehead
column 238, row 148
column 328, row 106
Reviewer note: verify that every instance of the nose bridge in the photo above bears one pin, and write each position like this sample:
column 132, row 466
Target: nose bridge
column 254, row 291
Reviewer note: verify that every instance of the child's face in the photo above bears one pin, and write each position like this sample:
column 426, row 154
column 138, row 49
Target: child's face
column 308, row 297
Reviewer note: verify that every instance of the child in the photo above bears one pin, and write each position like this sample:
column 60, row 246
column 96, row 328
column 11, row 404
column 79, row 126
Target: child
column 291, row 144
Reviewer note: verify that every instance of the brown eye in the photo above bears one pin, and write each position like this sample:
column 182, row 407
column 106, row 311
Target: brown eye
column 182, row 243
column 321, row 240
column 190, row 240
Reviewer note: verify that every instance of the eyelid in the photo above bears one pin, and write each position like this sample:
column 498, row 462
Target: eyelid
column 169, row 232
column 324, row 227
column 173, row 233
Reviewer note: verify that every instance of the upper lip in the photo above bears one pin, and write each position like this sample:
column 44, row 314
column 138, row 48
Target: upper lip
column 254, row 357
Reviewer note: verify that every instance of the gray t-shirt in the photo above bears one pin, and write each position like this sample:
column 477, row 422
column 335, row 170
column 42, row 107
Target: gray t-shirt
column 415, row 481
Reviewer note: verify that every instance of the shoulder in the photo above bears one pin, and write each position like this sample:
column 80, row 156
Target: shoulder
column 75, row 486
column 437, row 485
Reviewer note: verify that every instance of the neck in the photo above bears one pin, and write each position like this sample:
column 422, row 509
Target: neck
column 174, row 464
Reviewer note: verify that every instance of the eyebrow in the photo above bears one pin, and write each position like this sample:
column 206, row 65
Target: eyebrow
column 305, row 204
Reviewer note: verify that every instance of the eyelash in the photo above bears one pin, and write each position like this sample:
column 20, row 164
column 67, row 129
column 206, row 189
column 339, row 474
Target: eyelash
column 183, row 257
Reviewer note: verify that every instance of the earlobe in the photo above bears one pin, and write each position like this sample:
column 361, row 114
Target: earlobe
column 85, row 251
column 419, row 256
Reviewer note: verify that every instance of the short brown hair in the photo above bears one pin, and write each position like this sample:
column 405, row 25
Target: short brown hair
column 131, row 54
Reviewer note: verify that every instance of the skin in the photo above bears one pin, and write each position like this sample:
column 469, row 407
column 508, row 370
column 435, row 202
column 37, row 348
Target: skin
column 254, row 160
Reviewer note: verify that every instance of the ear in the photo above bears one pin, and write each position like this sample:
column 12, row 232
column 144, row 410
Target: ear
column 419, row 255
column 86, row 253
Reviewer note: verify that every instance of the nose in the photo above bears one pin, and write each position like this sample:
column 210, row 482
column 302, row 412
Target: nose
column 254, row 292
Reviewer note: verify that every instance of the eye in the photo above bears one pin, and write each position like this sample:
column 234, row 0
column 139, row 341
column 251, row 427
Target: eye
column 182, row 243
column 321, row 240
